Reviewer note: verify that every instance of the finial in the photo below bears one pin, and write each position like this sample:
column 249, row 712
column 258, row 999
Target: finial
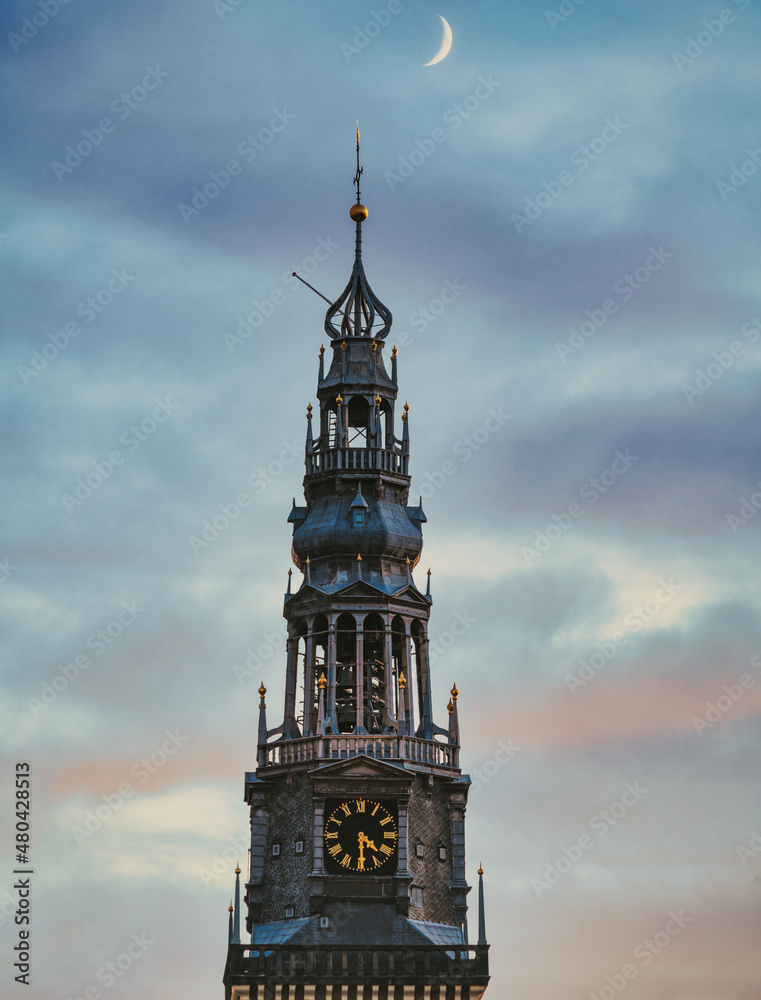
column 262, row 688
column 373, row 345
column 406, row 407
column 308, row 560
column 402, row 680
column 408, row 560
column 237, row 870
column 450, row 706
column 322, row 682
column 358, row 212
column 359, row 557
column 429, row 571
column 309, row 409
column 230, row 907
column 454, row 692
column 343, row 345
column 480, row 869
column 378, row 401
column 394, row 352
column 339, row 398
column 321, row 355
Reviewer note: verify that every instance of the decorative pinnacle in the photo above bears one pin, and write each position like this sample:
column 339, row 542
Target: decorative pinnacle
column 343, row 345
column 454, row 692
column 408, row 560
column 230, row 907
column 394, row 352
column 290, row 572
column 262, row 688
column 378, row 401
column 402, row 680
column 450, row 706
column 237, row 870
column 322, row 352
column 406, row 407
column 429, row 571
column 373, row 345
column 480, row 869
column 322, row 682
column 308, row 561
column 359, row 557
column 309, row 409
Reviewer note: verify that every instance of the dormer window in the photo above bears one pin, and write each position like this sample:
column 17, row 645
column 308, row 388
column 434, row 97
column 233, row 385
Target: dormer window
column 359, row 517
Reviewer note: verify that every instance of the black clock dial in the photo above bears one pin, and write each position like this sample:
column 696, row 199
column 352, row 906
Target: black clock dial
column 361, row 836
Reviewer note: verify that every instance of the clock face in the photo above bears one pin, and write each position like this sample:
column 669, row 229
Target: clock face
column 361, row 835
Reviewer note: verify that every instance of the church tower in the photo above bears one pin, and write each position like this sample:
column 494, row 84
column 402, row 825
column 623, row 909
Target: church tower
column 356, row 887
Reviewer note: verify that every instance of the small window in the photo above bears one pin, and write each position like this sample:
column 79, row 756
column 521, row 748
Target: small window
column 359, row 518
column 419, row 849
column 276, row 850
column 417, row 896
column 442, row 852
column 299, row 847
column 289, row 911
column 325, row 923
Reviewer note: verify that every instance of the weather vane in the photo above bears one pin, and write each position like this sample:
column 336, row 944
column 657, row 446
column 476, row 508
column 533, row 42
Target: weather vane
column 359, row 169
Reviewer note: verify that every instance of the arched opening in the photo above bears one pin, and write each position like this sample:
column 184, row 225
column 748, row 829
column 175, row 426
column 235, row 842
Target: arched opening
column 346, row 673
column 314, row 665
column 398, row 659
column 359, row 419
column 387, row 423
column 417, row 653
column 375, row 672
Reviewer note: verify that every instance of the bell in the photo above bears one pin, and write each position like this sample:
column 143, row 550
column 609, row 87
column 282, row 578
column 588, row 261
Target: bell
column 347, row 677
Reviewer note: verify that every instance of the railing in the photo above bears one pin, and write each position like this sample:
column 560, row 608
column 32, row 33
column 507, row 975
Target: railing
column 357, row 459
column 286, row 964
column 389, row 746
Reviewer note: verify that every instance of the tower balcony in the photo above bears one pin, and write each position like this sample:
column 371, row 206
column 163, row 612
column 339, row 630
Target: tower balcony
column 433, row 972
column 358, row 460
column 386, row 746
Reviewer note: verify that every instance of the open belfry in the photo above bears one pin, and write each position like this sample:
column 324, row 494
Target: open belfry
column 357, row 887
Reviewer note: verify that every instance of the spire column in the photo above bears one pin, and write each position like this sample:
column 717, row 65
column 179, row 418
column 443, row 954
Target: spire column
column 360, row 680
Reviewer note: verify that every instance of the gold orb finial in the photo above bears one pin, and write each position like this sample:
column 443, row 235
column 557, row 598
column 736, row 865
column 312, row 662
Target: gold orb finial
column 357, row 213
column 322, row 351
column 339, row 399
column 454, row 692
column 262, row 688
column 230, row 907
column 378, row 401
column 406, row 407
column 402, row 680
column 394, row 352
column 237, row 871
column 359, row 557
column 322, row 681
column 450, row 706
column 480, row 868
column 309, row 409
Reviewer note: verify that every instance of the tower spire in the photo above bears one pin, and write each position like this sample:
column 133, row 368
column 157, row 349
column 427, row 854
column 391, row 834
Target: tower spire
column 358, row 305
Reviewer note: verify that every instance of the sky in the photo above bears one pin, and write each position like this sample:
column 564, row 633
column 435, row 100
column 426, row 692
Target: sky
column 563, row 218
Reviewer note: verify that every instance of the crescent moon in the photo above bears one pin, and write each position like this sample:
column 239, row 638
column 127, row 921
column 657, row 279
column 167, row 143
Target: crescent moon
column 446, row 44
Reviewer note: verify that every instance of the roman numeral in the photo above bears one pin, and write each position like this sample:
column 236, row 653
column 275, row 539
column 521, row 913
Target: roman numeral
column 386, row 849
column 387, row 835
column 377, row 807
column 386, row 819
column 378, row 861
column 335, row 850
column 360, row 805
column 346, row 861
column 333, row 835
column 346, row 808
